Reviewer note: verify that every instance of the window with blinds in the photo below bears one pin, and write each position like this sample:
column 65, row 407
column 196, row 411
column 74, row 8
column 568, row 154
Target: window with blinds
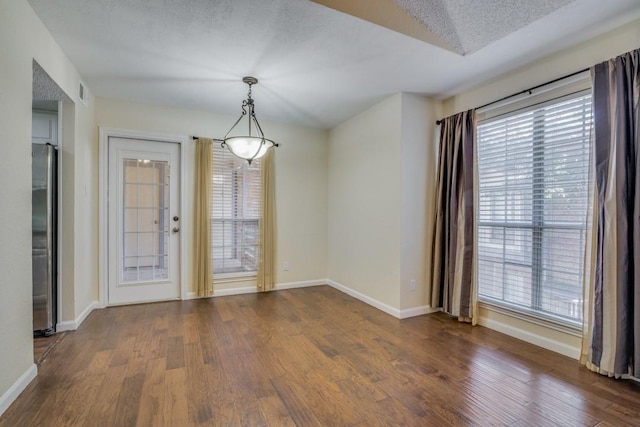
column 533, row 169
column 235, row 214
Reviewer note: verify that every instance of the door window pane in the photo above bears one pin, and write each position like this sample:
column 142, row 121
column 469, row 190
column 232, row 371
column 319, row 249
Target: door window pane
column 146, row 220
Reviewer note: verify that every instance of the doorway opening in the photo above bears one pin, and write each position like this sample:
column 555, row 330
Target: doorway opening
column 46, row 130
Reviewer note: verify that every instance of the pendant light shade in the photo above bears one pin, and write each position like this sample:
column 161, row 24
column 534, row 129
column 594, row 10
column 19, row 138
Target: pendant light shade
column 253, row 144
column 248, row 147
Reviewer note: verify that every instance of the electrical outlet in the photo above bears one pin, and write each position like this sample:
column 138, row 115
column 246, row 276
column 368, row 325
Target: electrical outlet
column 412, row 285
column 286, row 266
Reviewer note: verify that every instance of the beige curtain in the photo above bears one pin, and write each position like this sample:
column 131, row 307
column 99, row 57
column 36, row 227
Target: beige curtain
column 202, row 271
column 266, row 266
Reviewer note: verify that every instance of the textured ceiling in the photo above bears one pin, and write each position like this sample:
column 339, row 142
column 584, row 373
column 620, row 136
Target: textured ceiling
column 44, row 88
column 462, row 26
column 470, row 25
column 317, row 66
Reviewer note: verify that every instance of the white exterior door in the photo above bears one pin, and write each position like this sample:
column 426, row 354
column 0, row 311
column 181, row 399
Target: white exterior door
column 143, row 221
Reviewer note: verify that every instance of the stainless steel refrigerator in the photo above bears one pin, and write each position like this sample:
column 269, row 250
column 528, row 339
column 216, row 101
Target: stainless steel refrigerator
column 44, row 238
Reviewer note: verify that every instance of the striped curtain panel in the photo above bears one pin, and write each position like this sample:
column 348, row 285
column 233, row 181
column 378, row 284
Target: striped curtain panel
column 453, row 286
column 611, row 338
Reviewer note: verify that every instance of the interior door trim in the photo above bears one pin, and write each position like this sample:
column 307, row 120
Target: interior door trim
column 103, row 207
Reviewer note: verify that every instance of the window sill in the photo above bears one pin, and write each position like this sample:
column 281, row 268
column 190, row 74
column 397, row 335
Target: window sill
column 234, row 277
column 550, row 322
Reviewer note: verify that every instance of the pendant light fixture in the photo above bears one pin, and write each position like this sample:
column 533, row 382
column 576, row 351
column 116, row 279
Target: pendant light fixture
column 253, row 145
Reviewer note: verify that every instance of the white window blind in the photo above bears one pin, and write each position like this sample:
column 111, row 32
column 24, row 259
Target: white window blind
column 235, row 213
column 533, row 169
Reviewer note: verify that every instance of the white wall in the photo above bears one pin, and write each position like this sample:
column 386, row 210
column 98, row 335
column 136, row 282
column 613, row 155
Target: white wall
column 86, row 207
column 600, row 49
column 78, row 153
column 301, row 180
column 364, row 202
column 419, row 147
column 381, row 164
column 24, row 38
column 582, row 56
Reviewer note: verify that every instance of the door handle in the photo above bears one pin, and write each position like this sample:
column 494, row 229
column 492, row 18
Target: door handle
column 175, row 229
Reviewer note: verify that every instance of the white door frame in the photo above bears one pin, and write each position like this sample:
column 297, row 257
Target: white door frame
column 103, row 205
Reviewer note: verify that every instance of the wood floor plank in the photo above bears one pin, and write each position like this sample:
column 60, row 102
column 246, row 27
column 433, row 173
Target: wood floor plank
column 359, row 389
column 176, row 409
column 91, row 381
column 251, row 414
column 175, row 353
column 305, row 357
column 274, row 412
column 128, row 404
column 201, row 407
column 103, row 411
column 123, row 352
column 294, row 401
column 152, row 395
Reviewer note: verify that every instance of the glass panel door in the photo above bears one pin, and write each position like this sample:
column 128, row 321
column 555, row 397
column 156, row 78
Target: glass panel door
column 144, row 222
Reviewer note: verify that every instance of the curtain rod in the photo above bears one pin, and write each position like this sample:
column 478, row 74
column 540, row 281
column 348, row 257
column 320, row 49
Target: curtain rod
column 213, row 139
column 522, row 92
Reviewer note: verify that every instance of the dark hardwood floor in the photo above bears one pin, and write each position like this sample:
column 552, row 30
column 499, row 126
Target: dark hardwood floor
column 42, row 346
column 306, row 357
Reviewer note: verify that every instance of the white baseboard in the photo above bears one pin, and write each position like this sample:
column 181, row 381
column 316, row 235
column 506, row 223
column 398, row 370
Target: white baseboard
column 395, row 312
column 234, row 291
column 364, row 298
column 72, row 325
column 14, row 391
column 549, row 344
column 400, row 314
column 252, row 289
column 417, row 311
column 304, row 284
